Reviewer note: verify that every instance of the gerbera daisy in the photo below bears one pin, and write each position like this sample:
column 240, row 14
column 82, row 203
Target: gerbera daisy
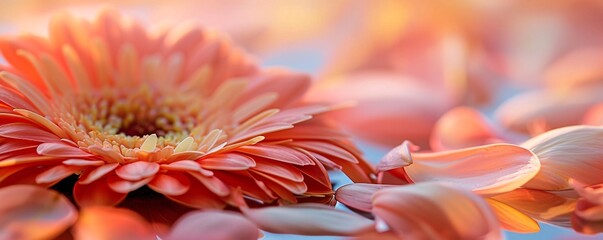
column 106, row 111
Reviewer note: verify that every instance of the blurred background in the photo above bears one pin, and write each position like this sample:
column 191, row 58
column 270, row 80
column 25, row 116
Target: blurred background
column 528, row 66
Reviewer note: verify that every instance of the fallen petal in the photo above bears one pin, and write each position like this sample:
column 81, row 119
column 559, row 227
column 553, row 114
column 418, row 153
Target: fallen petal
column 308, row 219
column 418, row 211
column 213, row 225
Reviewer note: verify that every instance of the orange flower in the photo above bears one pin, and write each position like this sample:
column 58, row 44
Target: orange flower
column 32, row 212
column 181, row 112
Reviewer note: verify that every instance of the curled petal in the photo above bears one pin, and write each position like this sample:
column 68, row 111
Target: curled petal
column 30, row 212
column 418, row 212
column 100, row 222
column 572, row 152
column 308, row 219
column 398, row 157
column 488, row 169
column 213, row 225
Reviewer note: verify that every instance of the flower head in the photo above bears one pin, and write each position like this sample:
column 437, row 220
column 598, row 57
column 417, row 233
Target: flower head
column 182, row 112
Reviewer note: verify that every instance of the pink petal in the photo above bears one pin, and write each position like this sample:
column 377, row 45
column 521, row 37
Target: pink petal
column 229, row 161
column 172, row 184
column 278, row 153
column 359, row 196
column 308, row 219
column 571, row 152
column 486, row 169
column 326, row 148
column 100, row 222
column 59, row 149
column 137, row 170
column 426, row 207
column 30, row 212
column 213, row 225
column 280, row 170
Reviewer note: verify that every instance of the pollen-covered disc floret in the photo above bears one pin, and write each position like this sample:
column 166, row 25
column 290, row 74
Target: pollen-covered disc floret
column 180, row 111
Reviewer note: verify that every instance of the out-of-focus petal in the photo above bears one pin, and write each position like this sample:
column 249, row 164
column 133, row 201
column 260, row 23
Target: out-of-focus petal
column 30, row 212
column 100, row 222
column 419, row 211
column 387, row 107
column 580, row 68
column 463, row 127
column 594, row 116
column 555, row 110
column 308, row 219
column 571, row 152
column 488, row 169
column 213, row 225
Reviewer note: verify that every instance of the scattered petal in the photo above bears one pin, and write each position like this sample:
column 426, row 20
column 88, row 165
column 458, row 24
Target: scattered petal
column 213, row 225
